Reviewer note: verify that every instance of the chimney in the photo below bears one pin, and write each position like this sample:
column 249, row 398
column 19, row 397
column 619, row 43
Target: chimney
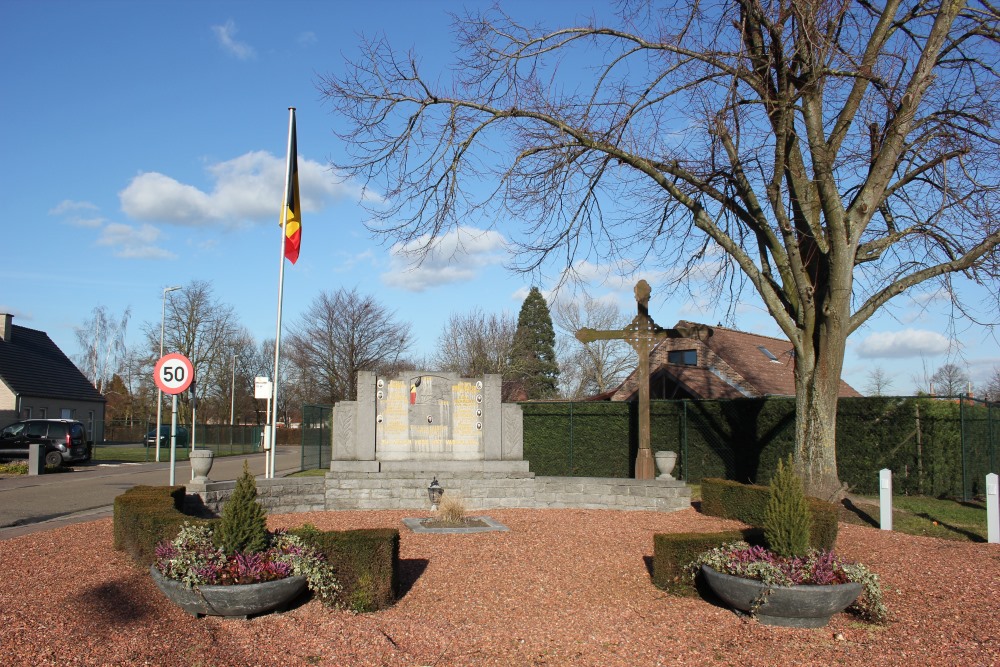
column 8, row 327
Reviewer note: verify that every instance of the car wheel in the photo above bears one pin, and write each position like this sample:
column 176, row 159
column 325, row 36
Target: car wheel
column 53, row 459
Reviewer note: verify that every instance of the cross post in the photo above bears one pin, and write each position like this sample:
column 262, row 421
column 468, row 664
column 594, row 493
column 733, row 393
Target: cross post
column 643, row 334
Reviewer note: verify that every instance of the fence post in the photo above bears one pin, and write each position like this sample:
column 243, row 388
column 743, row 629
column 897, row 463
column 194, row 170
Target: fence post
column 965, row 463
column 992, row 509
column 885, row 498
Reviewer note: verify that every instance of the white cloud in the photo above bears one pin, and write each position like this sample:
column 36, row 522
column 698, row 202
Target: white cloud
column 226, row 34
column 902, row 344
column 457, row 256
column 133, row 242
column 246, row 188
column 70, row 206
column 72, row 213
column 307, row 38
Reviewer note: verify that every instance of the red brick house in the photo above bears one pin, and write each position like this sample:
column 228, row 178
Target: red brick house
column 728, row 364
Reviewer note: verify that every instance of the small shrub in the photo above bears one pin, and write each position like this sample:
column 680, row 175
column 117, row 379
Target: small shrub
column 243, row 524
column 451, row 509
column 672, row 552
column 786, row 518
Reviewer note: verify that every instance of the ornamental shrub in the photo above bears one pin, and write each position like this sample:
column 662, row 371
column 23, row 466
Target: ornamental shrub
column 786, row 517
column 243, row 525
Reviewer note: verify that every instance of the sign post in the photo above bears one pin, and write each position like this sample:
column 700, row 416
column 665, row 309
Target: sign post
column 173, row 374
column 263, row 388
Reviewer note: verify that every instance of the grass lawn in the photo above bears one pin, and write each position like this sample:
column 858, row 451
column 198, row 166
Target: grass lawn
column 141, row 454
column 922, row 515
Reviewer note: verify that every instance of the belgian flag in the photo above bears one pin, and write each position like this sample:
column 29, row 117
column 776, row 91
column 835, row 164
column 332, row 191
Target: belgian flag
column 293, row 210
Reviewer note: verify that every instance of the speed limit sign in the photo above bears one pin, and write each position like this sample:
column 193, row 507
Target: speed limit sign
column 173, row 373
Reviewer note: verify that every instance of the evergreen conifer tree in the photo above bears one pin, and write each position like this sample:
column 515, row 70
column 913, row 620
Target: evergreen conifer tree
column 786, row 517
column 533, row 357
column 243, row 526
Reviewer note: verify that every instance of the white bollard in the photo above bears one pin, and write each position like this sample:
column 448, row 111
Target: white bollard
column 885, row 498
column 992, row 509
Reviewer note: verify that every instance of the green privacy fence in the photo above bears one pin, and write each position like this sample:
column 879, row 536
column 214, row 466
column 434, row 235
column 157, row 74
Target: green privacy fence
column 317, row 440
column 941, row 447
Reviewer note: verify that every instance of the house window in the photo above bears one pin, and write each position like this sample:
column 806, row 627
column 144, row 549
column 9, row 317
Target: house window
column 43, row 413
column 767, row 353
column 25, row 413
column 66, row 413
column 683, row 357
column 90, row 424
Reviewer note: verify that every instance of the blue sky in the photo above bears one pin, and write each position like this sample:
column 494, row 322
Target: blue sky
column 144, row 146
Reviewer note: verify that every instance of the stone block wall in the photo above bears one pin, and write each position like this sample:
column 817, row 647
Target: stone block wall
column 480, row 490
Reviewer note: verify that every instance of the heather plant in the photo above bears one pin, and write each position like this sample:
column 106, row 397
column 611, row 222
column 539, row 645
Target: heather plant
column 243, row 526
column 821, row 568
column 194, row 559
column 786, row 517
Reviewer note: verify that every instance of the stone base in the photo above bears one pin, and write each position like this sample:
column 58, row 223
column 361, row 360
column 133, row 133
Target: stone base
column 479, row 490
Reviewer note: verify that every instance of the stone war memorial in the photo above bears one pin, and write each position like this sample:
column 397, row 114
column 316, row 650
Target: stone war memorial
column 401, row 433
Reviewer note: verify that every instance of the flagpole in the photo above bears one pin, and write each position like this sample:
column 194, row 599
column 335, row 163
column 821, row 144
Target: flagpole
column 281, row 290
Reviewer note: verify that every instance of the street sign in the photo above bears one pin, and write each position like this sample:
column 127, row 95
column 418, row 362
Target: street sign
column 173, row 373
column 263, row 388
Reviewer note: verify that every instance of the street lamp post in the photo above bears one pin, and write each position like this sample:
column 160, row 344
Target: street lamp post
column 159, row 392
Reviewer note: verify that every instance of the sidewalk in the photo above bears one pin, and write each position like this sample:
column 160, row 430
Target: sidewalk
column 88, row 494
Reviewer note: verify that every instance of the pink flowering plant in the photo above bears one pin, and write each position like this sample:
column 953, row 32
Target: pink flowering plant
column 818, row 568
column 194, row 559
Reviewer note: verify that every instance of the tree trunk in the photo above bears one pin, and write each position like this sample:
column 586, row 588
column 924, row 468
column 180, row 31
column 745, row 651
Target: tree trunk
column 817, row 387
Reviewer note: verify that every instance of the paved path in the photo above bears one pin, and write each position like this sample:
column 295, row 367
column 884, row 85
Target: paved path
column 30, row 504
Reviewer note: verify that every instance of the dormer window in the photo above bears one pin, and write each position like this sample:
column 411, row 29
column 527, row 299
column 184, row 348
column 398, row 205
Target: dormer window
column 683, row 357
column 767, row 353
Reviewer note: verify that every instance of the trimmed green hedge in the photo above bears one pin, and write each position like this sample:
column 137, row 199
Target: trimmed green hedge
column 366, row 561
column 919, row 439
column 672, row 552
column 146, row 515
column 748, row 502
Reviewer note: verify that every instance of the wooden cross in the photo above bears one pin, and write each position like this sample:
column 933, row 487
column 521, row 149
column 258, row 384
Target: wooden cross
column 642, row 333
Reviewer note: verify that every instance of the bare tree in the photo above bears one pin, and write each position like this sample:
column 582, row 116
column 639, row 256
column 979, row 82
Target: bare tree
column 340, row 334
column 590, row 368
column 827, row 156
column 102, row 339
column 991, row 392
column 475, row 343
column 203, row 329
column 950, row 380
column 879, row 382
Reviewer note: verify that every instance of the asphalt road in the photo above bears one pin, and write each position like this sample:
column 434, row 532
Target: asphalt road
column 29, row 504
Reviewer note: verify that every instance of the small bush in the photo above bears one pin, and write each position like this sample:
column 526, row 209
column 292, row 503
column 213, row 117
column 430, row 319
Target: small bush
column 672, row 552
column 748, row 503
column 786, row 518
column 243, row 524
column 451, row 509
column 366, row 561
column 146, row 515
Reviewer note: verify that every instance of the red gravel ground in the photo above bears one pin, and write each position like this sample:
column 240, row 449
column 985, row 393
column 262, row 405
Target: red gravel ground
column 563, row 587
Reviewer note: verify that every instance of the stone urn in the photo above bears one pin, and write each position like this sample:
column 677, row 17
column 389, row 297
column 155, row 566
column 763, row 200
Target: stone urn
column 665, row 462
column 804, row 606
column 201, row 464
column 241, row 600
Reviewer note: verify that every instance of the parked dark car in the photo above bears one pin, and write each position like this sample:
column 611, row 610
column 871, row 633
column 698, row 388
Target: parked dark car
column 182, row 437
column 64, row 440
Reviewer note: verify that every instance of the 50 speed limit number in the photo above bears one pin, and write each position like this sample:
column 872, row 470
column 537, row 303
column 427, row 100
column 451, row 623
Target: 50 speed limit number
column 173, row 373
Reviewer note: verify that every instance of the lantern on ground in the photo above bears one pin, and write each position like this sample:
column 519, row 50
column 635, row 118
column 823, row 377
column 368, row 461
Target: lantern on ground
column 434, row 493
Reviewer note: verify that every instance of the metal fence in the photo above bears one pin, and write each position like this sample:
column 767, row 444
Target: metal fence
column 220, row 438
column 934, row 446
column 317, row 436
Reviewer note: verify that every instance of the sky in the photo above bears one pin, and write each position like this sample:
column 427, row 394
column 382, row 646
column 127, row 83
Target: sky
column 144, row 147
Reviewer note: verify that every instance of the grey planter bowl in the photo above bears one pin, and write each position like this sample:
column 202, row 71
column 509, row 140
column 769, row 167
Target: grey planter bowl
column 790, row 606
column 234, row 601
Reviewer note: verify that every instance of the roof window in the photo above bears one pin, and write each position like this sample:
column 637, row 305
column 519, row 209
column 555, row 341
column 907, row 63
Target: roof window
column 767, row 353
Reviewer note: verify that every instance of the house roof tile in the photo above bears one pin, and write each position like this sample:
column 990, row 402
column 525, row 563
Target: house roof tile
column 31, row 364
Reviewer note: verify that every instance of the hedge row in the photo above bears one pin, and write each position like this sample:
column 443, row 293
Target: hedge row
column 672, row 552
column 748, row 503
column 367, row 560
column 920, row 439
